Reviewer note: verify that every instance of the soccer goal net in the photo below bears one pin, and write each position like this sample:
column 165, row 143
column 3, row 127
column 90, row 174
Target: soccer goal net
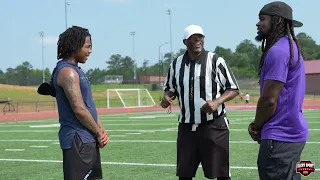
column 129, row 98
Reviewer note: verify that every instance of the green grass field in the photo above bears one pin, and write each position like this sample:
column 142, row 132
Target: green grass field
column 142, row 147
column 26, row 99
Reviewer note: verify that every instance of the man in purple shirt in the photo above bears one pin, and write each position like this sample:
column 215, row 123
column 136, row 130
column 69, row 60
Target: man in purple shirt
column 279, row 126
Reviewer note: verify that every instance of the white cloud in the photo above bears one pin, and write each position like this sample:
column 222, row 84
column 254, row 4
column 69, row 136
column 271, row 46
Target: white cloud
column 117, row 1
column 49, row 40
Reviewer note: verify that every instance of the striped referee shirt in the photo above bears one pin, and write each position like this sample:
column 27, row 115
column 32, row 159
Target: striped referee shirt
column 206, row 78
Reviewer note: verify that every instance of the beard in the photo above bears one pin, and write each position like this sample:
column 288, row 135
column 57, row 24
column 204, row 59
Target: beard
column 261, row 36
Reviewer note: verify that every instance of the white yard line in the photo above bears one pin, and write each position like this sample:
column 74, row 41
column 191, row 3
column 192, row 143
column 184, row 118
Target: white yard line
column 135, row 113
column 142, row 124
column 28, row 140
column 117, row 135
column 30, row 121
column 153, row 116
column 173, row 141
column 113, row 130
column 232, row 122
column 133, row 124
column 38, row 146
column 120, row 163
column 28, row 131
column 13, row 125
column 132, row 141
column 14, row 150
column 130, row 120
column 44, row 126
column 152, row 123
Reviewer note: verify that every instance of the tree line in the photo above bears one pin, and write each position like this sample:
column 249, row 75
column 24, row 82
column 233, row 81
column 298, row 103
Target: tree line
column 244, row 62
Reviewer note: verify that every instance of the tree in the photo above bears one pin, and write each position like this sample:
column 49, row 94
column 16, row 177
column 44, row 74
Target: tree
column 227, row 54
column 114, row 63
column 118, row 65
column 2, row 77
column 254, row 54
column 24, row 72
column 309, row 47
column 243, row 61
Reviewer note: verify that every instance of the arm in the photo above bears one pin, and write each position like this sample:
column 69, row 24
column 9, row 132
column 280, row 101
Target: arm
column 227, row 80
column 169, row 90
column 169, row 82
column 68, row 79
column 104, row 131
column 229, row 84
column 276, row 65
column 169, row 93
column 267, row 103
column 99, row 124
column 227, row 96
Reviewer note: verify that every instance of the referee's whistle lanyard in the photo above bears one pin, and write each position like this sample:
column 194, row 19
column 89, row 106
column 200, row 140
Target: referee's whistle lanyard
column 85, row 178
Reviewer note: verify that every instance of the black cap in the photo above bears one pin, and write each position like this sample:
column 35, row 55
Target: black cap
column 46, row 89
column 281, row 9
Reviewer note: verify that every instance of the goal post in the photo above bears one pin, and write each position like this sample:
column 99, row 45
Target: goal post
column 129, row 98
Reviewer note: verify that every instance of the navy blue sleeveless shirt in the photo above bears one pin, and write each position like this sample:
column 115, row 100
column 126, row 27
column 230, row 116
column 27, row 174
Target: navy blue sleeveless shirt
column 69, row 124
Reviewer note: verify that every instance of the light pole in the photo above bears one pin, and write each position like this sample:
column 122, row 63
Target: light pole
column 169, row 13
column 160, row 60
column 66, row 13
column 134, row 57
column 41, row 33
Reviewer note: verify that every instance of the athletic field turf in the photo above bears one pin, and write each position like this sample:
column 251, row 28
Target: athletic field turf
column 142, row 147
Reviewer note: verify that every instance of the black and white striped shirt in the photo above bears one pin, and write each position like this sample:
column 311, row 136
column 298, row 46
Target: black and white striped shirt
column 207, row 78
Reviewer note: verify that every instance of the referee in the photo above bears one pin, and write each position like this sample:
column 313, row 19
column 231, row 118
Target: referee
column 202, row 82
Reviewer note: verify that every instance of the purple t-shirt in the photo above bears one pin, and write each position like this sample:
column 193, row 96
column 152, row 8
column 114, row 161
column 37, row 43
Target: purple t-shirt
column 288, row 122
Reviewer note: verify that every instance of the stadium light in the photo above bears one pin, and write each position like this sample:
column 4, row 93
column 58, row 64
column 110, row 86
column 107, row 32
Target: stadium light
column 134, row 57
column 160, row 60
column 169, row 13
column 41, row 33
column 65, row 12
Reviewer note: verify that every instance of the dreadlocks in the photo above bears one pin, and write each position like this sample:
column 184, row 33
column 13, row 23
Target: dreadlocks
column 279, row 30
column 71, row 40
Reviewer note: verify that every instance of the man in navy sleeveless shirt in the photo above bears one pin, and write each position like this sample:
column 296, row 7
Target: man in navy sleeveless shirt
column 81, row 133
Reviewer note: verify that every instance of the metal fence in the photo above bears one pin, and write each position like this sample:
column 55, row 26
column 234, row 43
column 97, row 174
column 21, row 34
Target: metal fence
column 37, row 106
column 40, row 106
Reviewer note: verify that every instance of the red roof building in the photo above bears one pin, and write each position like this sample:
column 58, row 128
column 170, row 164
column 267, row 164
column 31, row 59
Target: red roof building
column 312, row 70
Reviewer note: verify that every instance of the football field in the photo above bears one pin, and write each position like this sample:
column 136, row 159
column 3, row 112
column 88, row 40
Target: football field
column 142, row 147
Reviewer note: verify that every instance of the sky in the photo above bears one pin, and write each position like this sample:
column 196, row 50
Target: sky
column 225, row 23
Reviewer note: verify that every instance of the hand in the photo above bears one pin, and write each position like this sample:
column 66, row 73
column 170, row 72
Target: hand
column 255, row 135
column 103, row 138
column 210, row 106
column 166, row 101
column 103, row 129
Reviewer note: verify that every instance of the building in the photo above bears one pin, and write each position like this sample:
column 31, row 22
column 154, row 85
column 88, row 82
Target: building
column 151, row 79
column 312, row 70
column 112, row 79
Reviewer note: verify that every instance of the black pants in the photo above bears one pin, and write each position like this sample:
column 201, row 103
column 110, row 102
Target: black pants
column 208, row 145
column 277, row 160
column 81, row 159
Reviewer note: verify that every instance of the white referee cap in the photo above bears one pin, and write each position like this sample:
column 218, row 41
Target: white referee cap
column 191, row 30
